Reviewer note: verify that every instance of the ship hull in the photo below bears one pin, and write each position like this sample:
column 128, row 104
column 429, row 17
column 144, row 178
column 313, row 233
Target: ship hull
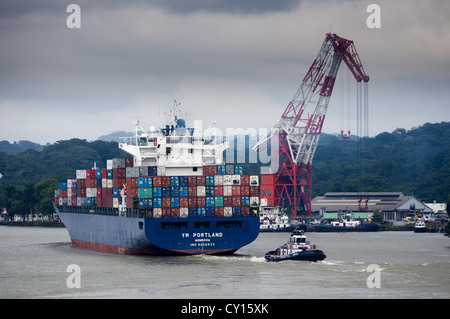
column 159, row 236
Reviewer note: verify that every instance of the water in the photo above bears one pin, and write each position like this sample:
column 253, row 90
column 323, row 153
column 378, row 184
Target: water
column 34, row 260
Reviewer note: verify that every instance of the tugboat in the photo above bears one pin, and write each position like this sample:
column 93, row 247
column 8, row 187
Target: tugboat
column 297, row 248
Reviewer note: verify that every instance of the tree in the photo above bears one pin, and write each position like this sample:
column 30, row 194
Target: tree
column 377, row 216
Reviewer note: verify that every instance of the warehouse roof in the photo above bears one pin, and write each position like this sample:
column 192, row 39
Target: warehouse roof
column 386, row 201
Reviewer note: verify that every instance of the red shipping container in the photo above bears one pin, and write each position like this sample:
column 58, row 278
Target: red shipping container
column 209, row 170
column 201, row 180
column 201, row 201
column 109, row 192
column 166, row 202
column 129, row 162
column 218, row 190
column 192, row 191
column 104, row 173
column 165, row 181
column 236, row 201
column 236, row 190
column 192, row 180
column 175, row 212
column 192, row 202
column 245, row 190
column 245, row 180
column 219, row 211
column 157, row 181
column 254, row 191
column 184, row 202
column 227, row 201
column 99, row 192
column 166, row 213
column 245, row 211
column 74, row 201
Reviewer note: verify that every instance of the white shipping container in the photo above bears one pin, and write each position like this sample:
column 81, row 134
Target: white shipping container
column 115, row 203
column 109, row 183
column 157, row 212
column 81, row 201
column 91, row 192
column 201, row 191
column 218, row 180
column 81, row 174
column 254, row 180
column 184, row 212
column 228, row 211
column 227, row 180
column 69, row 192
column 161, row 170
column 104, row 183
column 109, row 164
column 236, row 179
column 227, row 191
column 254, row 201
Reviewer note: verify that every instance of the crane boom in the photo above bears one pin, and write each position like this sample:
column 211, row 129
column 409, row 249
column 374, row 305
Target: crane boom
column 300, row 125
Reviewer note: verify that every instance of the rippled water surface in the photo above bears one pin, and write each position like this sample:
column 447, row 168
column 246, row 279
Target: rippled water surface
column 34, row 260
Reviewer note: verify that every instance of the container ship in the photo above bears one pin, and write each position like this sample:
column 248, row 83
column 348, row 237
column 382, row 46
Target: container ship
column 175, row 195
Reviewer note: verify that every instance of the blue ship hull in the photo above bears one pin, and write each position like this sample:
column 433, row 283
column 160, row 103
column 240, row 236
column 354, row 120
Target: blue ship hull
column 159, row 236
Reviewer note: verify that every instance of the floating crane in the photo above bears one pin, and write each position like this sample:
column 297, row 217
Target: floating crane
column 297, row 132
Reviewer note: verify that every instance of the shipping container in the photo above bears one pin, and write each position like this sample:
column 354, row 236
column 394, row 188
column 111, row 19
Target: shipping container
column 218, row 201
column 218, row 180
column 209, row 180
column 152, row 171
column 228, row 211
column 221, row 170
column 175, row 191
column 184, row 191
column 218, row 190
column 184, row 181
column 184, row 212
column 209, row 190
column 157, row 212
column 157, row 202
column 229, row 169
column 175, row 202
column 192, row 181
column 238, row 170
column 184, row 202
column 174, row 181
column 210, row 212
column 157, row 191
column 165, row 191
column 210, row 202
column 227, row 190
column 201, row 190
column 165, row 181
column 245, row 201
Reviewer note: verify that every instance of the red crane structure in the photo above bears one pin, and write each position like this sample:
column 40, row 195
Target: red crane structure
column 297, row 132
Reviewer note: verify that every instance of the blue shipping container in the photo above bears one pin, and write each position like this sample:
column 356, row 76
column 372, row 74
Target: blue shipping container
column 184, row 191
column 157, row 192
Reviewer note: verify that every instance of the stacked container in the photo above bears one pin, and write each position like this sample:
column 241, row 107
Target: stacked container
column 222, row 190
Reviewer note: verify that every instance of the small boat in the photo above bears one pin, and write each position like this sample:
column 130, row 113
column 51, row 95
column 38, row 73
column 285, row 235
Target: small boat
column 420, row 226
column 297, row 248
column 278, row 224
column 347, row 224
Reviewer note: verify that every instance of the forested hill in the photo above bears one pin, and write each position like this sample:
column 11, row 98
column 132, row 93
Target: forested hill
column 415, row 161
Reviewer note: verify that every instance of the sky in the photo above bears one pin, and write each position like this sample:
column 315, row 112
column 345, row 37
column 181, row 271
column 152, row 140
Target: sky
column 238, row 62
